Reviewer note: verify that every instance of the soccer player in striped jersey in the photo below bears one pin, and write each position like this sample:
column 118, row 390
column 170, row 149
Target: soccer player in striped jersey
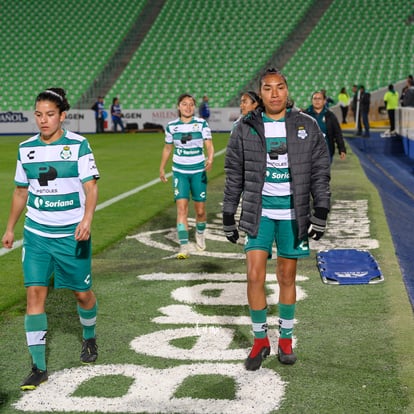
column 187, row 136
column 55, row 181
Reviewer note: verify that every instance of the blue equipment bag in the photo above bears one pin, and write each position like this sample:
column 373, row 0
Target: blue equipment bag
column 348, row 267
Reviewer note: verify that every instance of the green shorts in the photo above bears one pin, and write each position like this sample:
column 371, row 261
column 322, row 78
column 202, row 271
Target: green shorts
column 186, row 184
column 68, row 260
column 284, row 233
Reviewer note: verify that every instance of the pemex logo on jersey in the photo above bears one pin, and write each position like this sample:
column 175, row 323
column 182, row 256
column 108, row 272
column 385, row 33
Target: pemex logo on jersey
column 66, row 153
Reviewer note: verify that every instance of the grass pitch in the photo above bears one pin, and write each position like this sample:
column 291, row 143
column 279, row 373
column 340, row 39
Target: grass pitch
column 354, row 343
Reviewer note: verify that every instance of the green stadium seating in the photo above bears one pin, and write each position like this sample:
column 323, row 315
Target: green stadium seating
column 368, row 43
column 207, row 47
column 48, row 43
column 211, row 47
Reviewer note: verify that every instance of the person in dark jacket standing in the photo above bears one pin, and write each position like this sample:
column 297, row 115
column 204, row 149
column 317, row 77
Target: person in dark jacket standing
column 328, row 123
column 116, row 113
column 99, row 109
column 277, row 159
column 408, row 99
column 364, row 105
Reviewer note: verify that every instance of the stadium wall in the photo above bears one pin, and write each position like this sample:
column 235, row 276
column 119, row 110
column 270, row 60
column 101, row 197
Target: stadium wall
column 405, row 127
column 83, row 121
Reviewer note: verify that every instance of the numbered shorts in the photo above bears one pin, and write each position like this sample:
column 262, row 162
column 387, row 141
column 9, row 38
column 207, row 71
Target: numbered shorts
column 68, row 260
column 284, row 233
column 186, row 184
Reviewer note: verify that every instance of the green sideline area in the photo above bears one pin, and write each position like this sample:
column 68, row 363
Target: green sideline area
column 354, row 343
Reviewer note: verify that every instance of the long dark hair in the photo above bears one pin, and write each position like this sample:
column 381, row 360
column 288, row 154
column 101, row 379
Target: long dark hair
column 56, row 95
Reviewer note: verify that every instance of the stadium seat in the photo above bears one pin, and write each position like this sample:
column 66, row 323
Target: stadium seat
column 216, row 50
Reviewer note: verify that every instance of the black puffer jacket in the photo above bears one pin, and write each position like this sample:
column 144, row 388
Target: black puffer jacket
column 245, row 167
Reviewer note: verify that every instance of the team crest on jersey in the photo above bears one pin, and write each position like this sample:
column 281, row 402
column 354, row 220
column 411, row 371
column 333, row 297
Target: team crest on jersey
column 196, row 127
column 302, row 134
column 66, row 153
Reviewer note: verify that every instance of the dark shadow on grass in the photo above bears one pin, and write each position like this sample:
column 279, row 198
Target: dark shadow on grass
column 4, row 399
column 210, row 267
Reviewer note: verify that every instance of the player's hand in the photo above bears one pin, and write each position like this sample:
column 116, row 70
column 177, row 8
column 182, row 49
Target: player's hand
column 82, row 232
column 208, row 165
column 8, row 239
column 317, row 223
column 163, row 178
column 229, row 227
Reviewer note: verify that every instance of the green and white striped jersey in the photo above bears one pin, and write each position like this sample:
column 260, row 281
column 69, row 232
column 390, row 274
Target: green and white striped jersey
column 277, row 200
column 188, row 139
column 54, row 174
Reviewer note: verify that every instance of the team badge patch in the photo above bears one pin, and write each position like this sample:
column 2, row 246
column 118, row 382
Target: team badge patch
column 66, row 153
column 302, row 134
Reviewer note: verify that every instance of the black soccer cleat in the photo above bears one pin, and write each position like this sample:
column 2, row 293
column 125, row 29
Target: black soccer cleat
column 259, row 352
column 89, row 352
column 286, row 359
column 34, row 379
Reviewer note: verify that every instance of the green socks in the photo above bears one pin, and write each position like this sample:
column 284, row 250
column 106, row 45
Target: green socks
column 36, row 330
column 200, row 226
column 259, row 322
column 88, row 321
column 286, row 320
column 182, row 233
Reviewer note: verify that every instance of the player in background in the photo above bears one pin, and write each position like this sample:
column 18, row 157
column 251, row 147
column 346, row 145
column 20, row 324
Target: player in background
column 277, row 159
column 188, row 135
column 116, row 113
column 55, row 181
column 249, row 101
column 328, row 123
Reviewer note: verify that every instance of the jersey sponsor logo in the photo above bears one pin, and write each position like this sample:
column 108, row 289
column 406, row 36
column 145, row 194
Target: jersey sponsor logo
column 40, row 203
column 278, row 175
column 58, row 203
column 66, row 153
column 31, row 154
column 187, row 152
column 46, row 191
column 46, row 174
column 185, row 138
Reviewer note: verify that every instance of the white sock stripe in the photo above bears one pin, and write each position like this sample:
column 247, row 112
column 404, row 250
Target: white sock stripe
column 286, row 323
column 36, row 338
column 88, row 322
column 259, row 327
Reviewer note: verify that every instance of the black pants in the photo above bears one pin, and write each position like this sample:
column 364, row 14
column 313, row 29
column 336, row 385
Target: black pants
column 391, row 116
column 99, row 125
column 344, row 110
